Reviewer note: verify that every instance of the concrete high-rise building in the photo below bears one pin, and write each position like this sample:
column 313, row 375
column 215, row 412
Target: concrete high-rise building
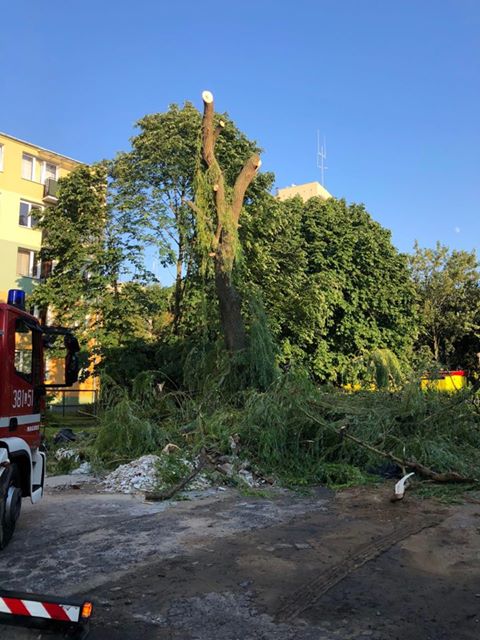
column 305, row 191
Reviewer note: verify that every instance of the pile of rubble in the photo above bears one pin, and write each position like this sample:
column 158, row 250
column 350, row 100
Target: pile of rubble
column 235, row 470
column 155, row 473
column 145, row 474
column 239, row 470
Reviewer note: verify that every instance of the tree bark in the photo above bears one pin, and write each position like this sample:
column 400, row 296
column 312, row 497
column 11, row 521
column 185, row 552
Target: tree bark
column 224, row 238
column 230, row 305
column 177, row 308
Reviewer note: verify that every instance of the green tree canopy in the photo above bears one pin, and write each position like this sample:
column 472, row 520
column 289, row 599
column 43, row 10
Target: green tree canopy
column 89, row 251
column 334, row 286
column 153, row 181
column 447, row 284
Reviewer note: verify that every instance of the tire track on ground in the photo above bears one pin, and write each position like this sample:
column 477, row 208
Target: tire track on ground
column 310, row 593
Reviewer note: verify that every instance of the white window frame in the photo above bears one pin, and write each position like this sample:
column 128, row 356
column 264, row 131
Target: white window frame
column 34, row 167
column 44, row 170
column 32, row 262
column 31, row 205
column 2, row 155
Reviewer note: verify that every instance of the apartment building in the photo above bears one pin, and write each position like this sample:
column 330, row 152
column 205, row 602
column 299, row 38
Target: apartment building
column 305, row 191
column 28, row 183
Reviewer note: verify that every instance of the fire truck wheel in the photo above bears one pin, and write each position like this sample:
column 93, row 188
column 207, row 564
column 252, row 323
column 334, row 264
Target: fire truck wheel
column 10, row 504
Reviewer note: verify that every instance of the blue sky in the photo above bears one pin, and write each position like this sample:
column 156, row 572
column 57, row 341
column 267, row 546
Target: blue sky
column 393, row 85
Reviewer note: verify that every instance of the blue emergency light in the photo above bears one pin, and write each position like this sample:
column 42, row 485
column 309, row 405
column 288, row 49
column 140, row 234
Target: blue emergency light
column 16, row 297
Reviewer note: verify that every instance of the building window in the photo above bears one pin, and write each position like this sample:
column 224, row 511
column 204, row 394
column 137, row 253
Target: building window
column 28, row 167
column 1, row 157
column 23, row 350
column 28, row 264
column 28, row 214
column 49, row 170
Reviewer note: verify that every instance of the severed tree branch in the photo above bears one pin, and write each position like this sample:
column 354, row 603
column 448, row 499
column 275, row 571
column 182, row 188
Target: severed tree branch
column 422, row 470
column 192, row 206
column 242, row 183
column 218, row 130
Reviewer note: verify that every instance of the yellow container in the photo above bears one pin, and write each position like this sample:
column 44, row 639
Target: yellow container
column 449, row 381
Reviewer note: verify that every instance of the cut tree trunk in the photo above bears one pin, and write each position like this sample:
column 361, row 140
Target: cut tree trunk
column 230, row 311
column 223, row 239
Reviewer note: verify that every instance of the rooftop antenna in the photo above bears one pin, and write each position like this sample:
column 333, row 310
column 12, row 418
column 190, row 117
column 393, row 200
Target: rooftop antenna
column 321, row 158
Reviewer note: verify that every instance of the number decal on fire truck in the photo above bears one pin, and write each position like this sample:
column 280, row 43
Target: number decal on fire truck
column 22, row 398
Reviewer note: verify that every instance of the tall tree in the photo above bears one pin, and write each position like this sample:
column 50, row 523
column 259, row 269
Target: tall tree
column 75, row 253
column 153, row 181
column 334, row 286
column 448, row 290
column 89, row 250
column 218, row 206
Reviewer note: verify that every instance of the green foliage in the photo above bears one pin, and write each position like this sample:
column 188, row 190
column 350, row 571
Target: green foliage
column 386, row 368
column 153, row 182
column 447, row 284
column 92, row 250
column 334, row 287
column 129, row 423
column 74, row 240
column 123, row 435
column 172, row 468
column 61, row 467
column 446, row 493
column 261, row 349
column 292, row 429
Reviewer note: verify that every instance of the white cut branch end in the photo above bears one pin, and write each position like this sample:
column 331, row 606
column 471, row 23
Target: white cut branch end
column 207, row 97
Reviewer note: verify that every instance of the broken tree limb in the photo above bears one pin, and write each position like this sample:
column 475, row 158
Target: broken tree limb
column 420, row 469
column 218, row 130
column 171, row 491
column 242, row 183
column 192, row 206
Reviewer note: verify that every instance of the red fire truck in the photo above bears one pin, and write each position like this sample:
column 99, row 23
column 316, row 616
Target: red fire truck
column 23, row 340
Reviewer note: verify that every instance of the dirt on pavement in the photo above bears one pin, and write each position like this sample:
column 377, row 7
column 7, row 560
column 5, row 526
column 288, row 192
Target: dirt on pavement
column 315, row 567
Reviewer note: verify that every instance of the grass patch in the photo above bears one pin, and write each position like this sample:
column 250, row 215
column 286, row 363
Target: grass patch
column 445, row 493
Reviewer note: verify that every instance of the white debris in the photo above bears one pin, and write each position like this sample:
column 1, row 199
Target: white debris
column 67, row 454
column 145, row 474
column 232, row 467
column 248, row 478
column 135, row 476
column 84, row 469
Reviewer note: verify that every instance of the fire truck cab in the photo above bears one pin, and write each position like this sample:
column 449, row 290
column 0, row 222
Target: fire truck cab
column 22, row 391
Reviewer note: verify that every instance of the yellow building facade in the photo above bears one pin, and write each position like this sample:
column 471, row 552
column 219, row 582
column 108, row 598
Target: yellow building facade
column 28, row 183
column 29, row 176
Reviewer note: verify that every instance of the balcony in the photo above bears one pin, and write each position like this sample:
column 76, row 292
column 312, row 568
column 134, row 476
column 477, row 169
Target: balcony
column 50, row 191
